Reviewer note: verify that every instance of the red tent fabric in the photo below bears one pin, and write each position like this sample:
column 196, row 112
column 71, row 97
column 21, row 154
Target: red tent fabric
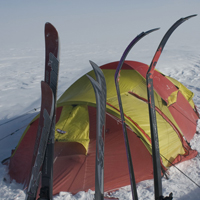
column 74, row 165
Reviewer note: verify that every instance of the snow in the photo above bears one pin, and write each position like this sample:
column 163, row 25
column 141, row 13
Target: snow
column 97, row 31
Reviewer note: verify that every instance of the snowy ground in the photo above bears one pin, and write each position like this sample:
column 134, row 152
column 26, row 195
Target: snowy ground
column 97, row 31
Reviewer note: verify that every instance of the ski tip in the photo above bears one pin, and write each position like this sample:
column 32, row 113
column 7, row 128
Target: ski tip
column 149, row 31
column 94, row 65
column 90, row 78
column 91, row 62
column 49, row 28
column 190, row 16
column 48, row 24
column 94, row 83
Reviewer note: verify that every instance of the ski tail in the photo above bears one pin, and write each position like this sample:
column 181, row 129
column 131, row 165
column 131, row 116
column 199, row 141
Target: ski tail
column 46, row 115
column 152, row 113
column 100, row 93
column 128, row 153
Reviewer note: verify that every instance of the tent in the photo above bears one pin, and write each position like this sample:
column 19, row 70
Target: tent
column 75, row 133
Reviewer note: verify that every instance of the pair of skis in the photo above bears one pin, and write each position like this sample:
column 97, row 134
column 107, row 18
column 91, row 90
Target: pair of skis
column 42, row 161
column 99, row 86
column 152, row 113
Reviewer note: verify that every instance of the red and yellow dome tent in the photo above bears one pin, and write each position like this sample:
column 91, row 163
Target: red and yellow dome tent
column 75, row 134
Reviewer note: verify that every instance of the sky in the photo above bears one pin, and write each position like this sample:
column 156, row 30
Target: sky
column 89, row 21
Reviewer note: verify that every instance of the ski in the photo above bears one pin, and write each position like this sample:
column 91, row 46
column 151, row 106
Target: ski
column 100, row 93
column 44, row 144
column 117, row 73
column 152, row 113
column 51, row 78
column 46, row 116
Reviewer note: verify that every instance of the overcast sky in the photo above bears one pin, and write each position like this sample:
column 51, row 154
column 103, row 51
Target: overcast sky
column 89, row 20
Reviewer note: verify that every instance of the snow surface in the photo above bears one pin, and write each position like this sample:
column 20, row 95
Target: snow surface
column 97, row 31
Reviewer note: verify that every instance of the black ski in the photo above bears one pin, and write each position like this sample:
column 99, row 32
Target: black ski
column 100, row 93
column 152, row 113
column 128, row 153
column 51, row 78
column 46, row 116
